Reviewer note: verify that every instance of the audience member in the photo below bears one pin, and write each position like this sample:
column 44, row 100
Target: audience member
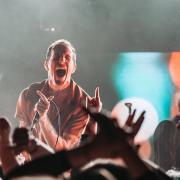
column 111, row 142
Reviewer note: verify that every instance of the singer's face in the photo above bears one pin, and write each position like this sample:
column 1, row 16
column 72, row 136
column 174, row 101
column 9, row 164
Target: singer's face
column 60, row 66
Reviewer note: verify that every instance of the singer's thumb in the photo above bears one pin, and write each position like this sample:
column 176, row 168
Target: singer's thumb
column 50, row 98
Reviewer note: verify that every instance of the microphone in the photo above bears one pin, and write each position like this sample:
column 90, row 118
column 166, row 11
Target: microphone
column 36, row 116
column 35, row 120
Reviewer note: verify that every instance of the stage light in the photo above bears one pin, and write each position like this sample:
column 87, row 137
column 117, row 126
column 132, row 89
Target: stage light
column 144, row 75
column 50, row 29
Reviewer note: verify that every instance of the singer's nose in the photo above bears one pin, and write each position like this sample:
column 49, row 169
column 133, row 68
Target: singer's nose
column 62, row 59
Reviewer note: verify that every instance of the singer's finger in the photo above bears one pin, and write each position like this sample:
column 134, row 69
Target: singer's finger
column 88, row 102
column 42, row 96
column 97, row 96
column 50, row 98
column 83, row 104
column 41, row 101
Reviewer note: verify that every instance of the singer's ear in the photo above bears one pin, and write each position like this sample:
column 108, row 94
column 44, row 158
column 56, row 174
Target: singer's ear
column 74, row 68
column 46, row 65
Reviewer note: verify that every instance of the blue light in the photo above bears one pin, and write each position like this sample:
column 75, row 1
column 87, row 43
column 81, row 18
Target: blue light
column 144, row 75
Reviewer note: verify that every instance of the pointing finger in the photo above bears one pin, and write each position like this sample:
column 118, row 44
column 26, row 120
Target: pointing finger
column 42, row 96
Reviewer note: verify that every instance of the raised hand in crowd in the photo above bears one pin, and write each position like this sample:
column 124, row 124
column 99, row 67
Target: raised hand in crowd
column 111, row 142
column 133, row 127
column 7, row 157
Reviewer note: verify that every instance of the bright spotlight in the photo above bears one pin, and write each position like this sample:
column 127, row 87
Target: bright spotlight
column 50, row 29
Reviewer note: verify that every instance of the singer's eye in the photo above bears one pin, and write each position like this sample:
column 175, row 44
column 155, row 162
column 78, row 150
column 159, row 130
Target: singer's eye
column 68, row 58
column 56, row 57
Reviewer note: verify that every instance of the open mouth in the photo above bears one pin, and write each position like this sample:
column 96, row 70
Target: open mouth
column 60, row 72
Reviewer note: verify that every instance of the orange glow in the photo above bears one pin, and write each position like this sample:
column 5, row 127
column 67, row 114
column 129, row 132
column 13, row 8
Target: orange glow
column 174, row 68
column 174, row 107
column 145, row 149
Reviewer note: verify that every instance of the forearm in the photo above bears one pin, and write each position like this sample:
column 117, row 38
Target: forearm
column 48, row 131
column 80, row 156
column 37, row 149
column 54, row 164
column 51, row 165
column 51, row 137
column 7, row 157
column 136, row 166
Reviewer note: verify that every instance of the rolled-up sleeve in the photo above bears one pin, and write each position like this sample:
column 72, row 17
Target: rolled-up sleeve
column 21, row 109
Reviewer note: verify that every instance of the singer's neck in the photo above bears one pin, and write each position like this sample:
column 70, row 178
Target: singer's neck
column 57, row 87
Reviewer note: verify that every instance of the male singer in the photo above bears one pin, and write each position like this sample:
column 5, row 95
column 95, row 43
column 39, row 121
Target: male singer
column 57, row 101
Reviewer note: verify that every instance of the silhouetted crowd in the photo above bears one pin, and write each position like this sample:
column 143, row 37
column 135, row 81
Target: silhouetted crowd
column 110, row 155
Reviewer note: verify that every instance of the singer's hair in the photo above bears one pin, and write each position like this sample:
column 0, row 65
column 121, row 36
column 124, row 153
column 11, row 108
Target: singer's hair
column 61, row 43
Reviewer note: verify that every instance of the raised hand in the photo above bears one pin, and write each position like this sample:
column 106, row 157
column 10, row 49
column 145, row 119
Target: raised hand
column 5, row 129
column 107, row 124
column 95, row 102
column 7, row 157
column 42, row 106
column 133, row 127
column 111, row 141
column 114, row 137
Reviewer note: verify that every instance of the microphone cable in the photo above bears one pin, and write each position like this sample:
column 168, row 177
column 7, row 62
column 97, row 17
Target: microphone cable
column 59, row 122
column 36, row 120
